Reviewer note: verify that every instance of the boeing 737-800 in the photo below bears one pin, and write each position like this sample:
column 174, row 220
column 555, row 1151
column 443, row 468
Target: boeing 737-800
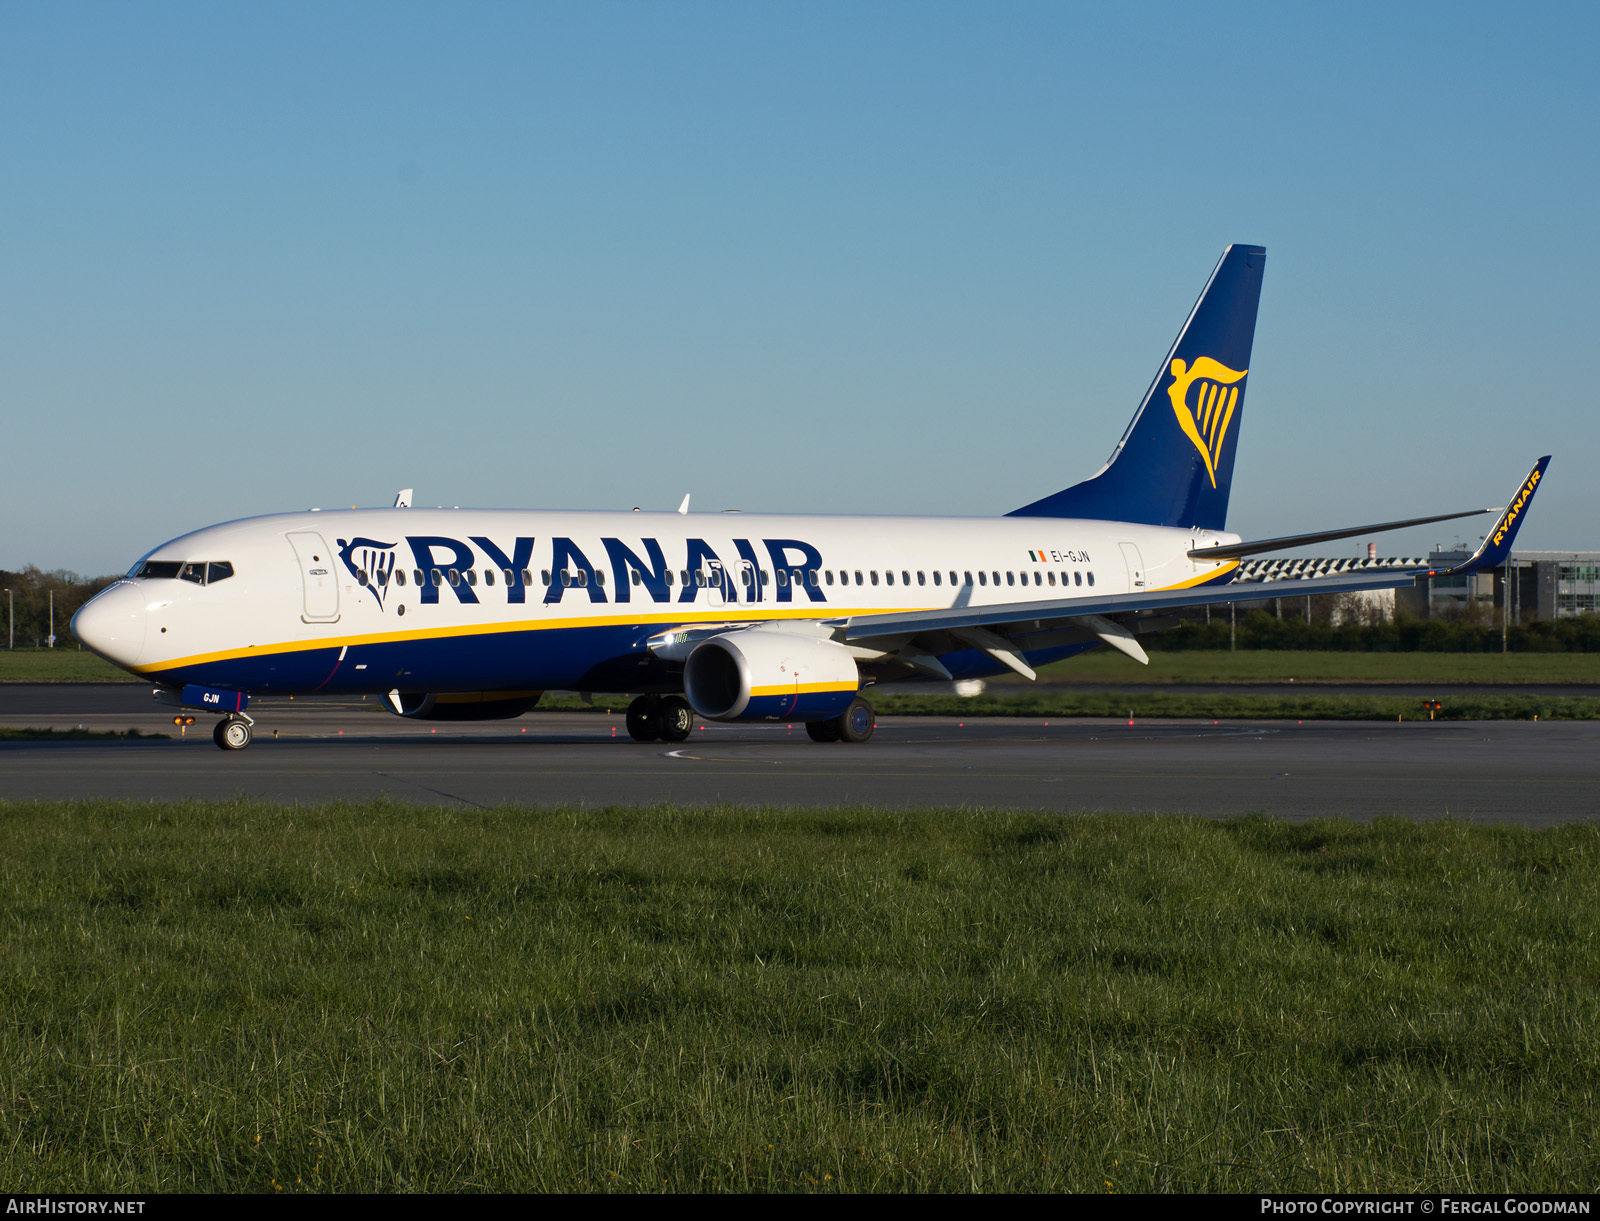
column 472, row 613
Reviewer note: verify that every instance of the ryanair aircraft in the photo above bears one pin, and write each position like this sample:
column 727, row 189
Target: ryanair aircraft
column 468, row 614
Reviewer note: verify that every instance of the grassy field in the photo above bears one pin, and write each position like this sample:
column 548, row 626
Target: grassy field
column 1360, row 705
column 58, row 666
column 1263, row 666
column 239, row 997
column 14, row 733
column 1101, row 666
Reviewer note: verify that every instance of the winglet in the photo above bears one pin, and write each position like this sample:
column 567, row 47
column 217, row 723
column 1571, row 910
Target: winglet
column 1497, row 543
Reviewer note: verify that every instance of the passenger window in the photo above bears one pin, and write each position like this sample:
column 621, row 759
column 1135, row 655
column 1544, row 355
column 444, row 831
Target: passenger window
column 922, row 577
column 544, row 575
column 827, row 575
column 936, row 576
column 1011, row 578
column 811, row 577
column 583, row 579
column 566, row 577
column 1091, row 578
column 455, row 576
column 953, row 580
column 416, row 576
column 218, row 570
column 1038, row 578
column 527, row 577
column 599, row 577
column 969, row 578
column 997, row 578
column 700, row 577
column 637, row 579
column 1077, row 578
column 859, row 581
column 874, row 576
column 472, row 576
column 888, row 578
column 783, row 576
column 511, row 577
column 983, row 578
column 905, row 577
column 488, row 576
column 1052, row 578
column 400, row 577
column 438, row 577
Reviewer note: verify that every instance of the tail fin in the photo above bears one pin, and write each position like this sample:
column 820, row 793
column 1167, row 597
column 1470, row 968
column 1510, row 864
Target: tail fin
column 1174, row 465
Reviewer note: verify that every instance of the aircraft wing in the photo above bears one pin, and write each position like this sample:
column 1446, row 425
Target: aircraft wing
column 1037, row 615
column 864, row 627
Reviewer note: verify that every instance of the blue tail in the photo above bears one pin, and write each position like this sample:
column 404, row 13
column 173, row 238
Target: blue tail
column 1174, row 465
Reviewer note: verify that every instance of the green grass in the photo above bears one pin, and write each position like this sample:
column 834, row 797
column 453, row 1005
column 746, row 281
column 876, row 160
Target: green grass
column 359, row 997
column 1100, row 666
column 1224, row 706
column 13, row 733
column 65, row 665
column 1264, row 666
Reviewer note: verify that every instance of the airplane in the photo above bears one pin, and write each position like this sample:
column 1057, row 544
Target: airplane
column 471, row 614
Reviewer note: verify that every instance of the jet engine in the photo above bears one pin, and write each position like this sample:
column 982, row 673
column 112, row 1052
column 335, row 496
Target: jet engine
column 462, row 705
column 761, row 674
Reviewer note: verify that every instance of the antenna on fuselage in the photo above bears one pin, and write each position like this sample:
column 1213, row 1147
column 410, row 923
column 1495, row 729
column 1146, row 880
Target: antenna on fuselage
column 402, row 498
column 684, row 507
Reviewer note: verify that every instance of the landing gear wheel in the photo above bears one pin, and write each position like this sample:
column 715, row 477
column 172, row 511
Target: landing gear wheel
column 823, row 731
column 644, row 719
column 231, row 734
column 674, row 719
column 857, row 722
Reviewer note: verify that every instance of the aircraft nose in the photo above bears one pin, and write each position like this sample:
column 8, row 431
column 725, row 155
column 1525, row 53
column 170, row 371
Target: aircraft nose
column 112, row 624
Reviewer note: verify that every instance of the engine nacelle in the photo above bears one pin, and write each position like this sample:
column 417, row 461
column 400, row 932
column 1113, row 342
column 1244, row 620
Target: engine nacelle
column 763, row 675
column 462, row 705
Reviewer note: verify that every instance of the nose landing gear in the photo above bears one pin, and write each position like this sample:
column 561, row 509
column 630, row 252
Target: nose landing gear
column 233, row 732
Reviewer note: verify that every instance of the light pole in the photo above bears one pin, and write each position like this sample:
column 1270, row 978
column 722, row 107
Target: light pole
column 52, row 636
column 11, row 605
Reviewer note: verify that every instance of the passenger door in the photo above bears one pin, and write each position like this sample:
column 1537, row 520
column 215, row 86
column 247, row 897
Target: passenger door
column 319, row 576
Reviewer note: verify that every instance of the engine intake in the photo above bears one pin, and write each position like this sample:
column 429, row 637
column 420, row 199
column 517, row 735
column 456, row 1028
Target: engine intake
column 763, row 675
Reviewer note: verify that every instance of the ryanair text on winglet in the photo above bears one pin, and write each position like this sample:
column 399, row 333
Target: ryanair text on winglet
column 1515, row 509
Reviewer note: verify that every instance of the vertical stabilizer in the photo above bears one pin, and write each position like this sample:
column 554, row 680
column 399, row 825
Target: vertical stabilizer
column 1174, row 465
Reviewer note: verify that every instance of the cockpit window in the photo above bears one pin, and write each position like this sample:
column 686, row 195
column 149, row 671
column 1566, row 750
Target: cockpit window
column 198, row 571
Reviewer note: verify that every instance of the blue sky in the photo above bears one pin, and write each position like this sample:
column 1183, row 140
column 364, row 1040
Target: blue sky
column 915, row 258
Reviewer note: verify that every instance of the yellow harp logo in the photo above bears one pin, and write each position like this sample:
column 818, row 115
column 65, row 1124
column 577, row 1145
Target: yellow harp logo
column 1206, row 421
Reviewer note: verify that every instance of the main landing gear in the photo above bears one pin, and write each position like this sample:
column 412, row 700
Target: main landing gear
column 233, row 731
column 854, row 724
column 668, row 718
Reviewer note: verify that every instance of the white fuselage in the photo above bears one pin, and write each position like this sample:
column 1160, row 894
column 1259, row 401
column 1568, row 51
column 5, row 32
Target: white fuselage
column 471, row 599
